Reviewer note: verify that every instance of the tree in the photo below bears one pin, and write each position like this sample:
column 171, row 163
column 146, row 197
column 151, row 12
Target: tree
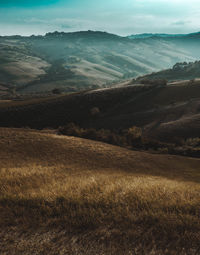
column 56, row 91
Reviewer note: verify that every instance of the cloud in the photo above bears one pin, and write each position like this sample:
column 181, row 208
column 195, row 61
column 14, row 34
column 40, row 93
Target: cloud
column 180, row 23
column 116, row 16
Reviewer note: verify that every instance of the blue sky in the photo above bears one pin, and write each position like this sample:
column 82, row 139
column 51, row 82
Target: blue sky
column 122, row 17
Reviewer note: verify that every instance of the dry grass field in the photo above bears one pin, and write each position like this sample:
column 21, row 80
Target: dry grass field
column 66, row 195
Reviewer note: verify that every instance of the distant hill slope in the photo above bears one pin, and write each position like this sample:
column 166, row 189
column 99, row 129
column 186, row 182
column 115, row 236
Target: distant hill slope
column 65, row 195
column 80, row 60
column 180, row 71
column 165, row 112
column 150, row 35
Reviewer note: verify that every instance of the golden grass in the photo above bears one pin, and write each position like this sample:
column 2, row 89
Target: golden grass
column 64, row 195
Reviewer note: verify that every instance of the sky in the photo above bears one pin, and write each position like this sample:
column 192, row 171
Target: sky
column 122, row 17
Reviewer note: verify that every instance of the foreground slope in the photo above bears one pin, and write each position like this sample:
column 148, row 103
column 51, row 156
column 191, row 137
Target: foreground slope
column 64, row 195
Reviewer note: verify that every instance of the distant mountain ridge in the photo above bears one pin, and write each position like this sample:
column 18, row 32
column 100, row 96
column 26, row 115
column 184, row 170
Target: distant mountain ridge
column 150, row 35
column 103, row 33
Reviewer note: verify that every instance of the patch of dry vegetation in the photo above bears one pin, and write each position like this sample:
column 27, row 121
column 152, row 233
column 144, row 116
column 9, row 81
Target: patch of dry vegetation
column 65, row 195
column 133, row 138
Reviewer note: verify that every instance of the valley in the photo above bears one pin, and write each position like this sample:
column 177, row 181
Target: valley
column 32, row 65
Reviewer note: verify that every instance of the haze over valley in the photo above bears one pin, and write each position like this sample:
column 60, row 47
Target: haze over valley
column 87, row 59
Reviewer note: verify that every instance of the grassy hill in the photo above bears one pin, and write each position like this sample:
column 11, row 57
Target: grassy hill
column 85, row 60
column 65, row 195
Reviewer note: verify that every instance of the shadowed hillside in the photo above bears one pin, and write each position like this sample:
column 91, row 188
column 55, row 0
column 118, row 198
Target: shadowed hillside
column 65, row 195
column 163, row 112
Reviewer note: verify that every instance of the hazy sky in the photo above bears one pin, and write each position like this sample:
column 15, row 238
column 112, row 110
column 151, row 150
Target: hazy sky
column 117, row 16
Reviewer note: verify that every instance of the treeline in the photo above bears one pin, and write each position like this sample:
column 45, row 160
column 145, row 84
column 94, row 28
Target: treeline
column 132, row 138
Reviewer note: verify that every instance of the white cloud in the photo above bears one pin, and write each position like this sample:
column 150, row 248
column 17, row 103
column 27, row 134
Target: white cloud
column 116, row 16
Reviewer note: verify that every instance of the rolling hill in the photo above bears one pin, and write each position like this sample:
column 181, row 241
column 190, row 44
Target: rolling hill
column 163, row 112
column 85, row 60
column 66, row 195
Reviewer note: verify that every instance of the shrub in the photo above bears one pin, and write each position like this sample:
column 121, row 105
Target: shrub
column 155, row 82
column 71, row 129
column 132, row 138
column 95, row 111
column 56, row 91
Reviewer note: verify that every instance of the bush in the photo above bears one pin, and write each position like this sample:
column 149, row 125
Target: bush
column 132, row 138
column 95, row 111
column 156, row 82
column 71, row 129
column 56, row 91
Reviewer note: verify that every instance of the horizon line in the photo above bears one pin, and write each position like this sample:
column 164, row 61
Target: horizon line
column 89, row 30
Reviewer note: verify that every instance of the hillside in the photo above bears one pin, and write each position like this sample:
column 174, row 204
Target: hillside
column 85, row 60
column 65, row 195
column 163, row 112
column 179, row 72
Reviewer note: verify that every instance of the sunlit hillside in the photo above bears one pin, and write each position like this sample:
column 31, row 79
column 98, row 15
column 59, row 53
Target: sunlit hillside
column 65, row 195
